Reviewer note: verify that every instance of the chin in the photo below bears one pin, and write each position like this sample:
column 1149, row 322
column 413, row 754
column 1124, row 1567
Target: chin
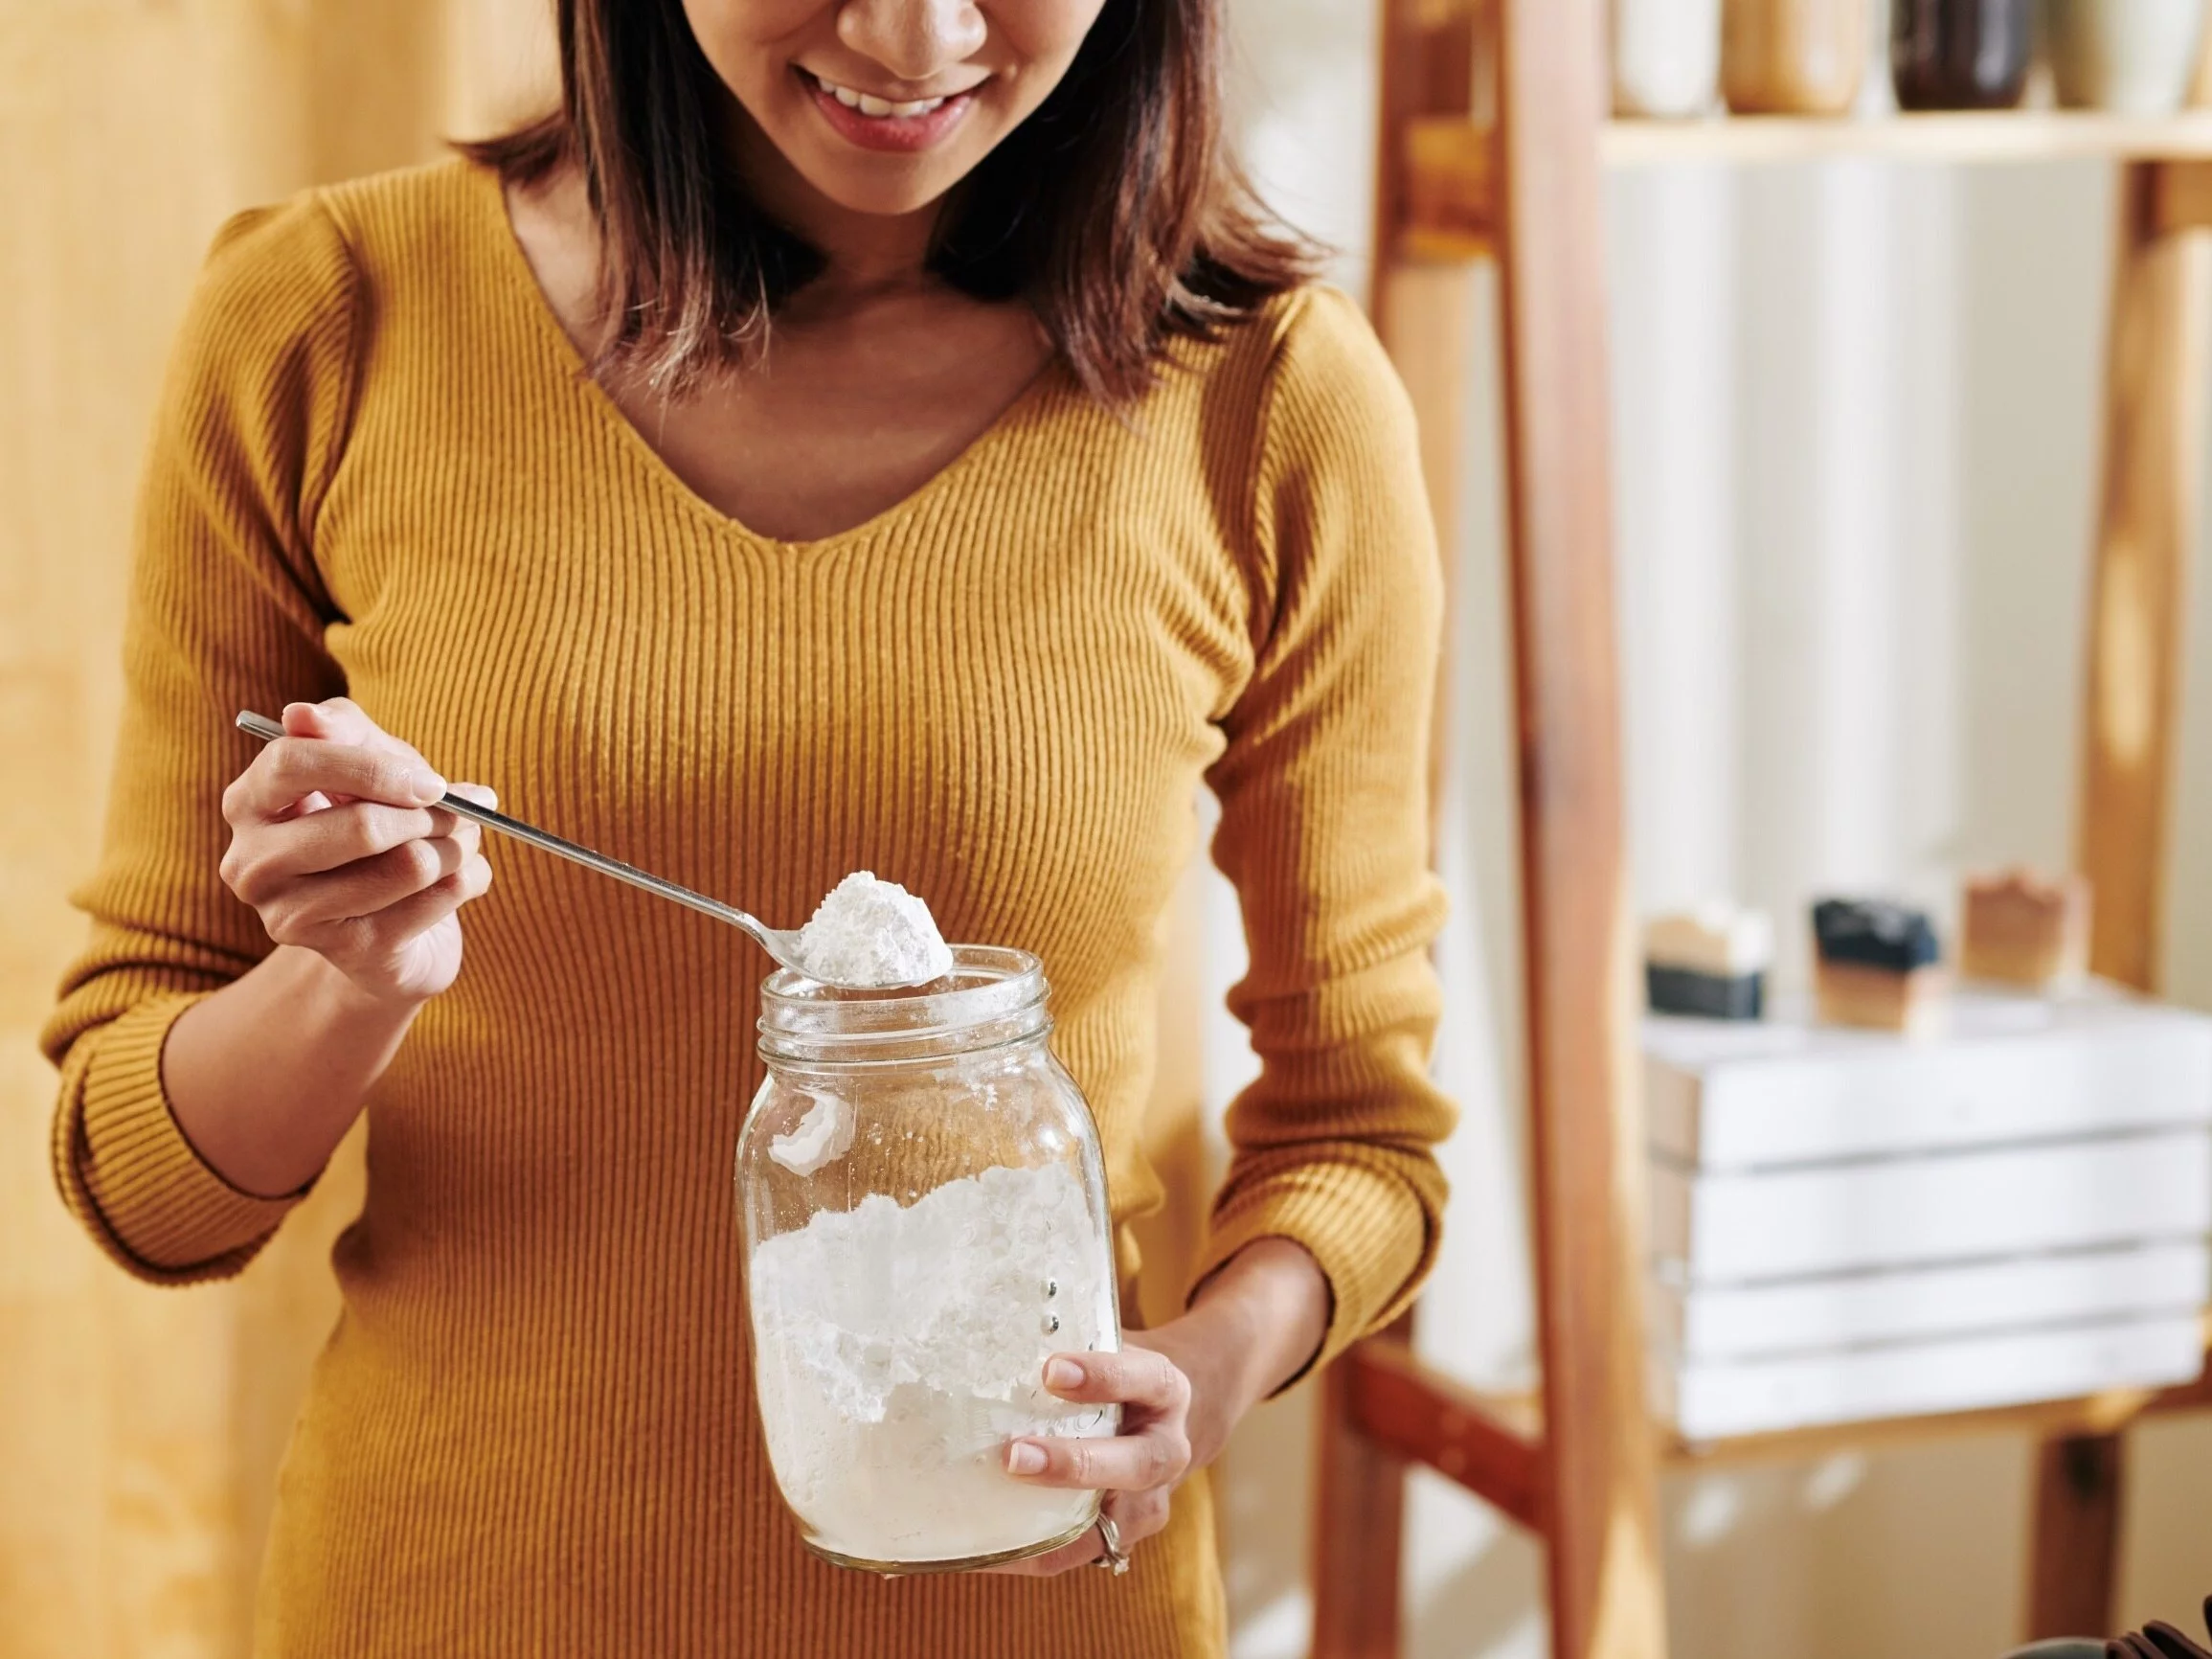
column 883, row 189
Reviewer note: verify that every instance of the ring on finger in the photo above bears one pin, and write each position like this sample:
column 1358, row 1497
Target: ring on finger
column 1115, row 1559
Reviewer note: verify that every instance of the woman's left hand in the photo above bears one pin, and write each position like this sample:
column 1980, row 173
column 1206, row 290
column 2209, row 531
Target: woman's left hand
column 1181, row 1388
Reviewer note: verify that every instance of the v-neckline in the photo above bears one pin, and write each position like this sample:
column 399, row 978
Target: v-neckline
column 1042, row 391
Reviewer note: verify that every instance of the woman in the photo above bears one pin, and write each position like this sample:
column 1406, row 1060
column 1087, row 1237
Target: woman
column 870, row 434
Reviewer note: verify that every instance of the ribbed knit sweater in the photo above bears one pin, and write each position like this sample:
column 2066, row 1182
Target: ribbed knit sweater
column 379, row 468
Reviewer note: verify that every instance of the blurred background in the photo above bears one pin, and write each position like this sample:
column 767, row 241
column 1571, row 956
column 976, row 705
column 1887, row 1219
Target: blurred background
column 1860, row 669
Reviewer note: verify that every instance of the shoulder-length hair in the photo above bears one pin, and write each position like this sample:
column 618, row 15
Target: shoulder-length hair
column 1115, row 211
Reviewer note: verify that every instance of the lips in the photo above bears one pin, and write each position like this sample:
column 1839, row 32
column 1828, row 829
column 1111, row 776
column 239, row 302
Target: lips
column 884, row 125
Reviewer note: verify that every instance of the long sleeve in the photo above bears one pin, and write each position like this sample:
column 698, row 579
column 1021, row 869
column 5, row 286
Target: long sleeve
column 226, row 612
column 1324, row 832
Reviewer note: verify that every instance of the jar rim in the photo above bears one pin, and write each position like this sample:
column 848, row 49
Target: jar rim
column 803, row 1019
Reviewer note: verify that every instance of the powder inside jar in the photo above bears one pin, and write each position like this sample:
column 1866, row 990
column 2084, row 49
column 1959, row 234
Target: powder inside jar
column 901, row 1345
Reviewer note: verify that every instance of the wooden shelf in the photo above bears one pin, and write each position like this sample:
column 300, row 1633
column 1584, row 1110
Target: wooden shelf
column 1449, row 199
column 2016, row 135
column 1489, row 1442
column 2099, row 1414
column 1528, row 195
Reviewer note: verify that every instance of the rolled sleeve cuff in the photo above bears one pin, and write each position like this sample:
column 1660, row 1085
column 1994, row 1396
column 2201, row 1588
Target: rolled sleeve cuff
column 125, row 1165
column 1366, row 1227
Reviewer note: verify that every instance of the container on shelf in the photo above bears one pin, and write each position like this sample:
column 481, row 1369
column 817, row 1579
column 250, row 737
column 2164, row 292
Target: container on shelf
column 1961, row 53
column 1792, row 56
column 2131, row 57
column 1666, row 58
column 925, row 1223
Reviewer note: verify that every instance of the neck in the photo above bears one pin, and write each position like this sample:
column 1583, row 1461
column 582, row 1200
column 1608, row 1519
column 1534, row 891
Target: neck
column 864, row 253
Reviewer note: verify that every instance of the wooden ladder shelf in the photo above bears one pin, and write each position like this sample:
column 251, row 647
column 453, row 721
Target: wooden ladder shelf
column 1494, row 142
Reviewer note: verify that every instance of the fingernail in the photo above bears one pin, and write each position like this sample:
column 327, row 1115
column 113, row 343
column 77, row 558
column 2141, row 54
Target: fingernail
column 1063, row 1373
column 1025, row 1459
column 427, row 784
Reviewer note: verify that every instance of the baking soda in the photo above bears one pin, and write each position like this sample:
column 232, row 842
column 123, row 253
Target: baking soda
column 869, row 934
column 823, row 1135
column 902, row 1345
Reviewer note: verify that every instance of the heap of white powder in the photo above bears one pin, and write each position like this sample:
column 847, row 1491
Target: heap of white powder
column 822, row 1136
column 874, row 934
column 900, row 1346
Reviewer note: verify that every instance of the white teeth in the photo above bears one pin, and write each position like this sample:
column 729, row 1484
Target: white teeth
column 869, row 104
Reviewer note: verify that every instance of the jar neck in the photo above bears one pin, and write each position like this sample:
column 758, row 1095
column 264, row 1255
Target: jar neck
column 992, row 998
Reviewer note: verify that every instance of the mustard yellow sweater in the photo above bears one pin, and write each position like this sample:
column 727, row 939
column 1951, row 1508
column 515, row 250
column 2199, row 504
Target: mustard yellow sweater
column 378, row 470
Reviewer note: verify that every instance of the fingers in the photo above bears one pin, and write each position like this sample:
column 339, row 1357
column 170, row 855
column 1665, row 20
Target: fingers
column 2169, row 1641
column 1157, row 1454
column 292, row 767
column 1158, row 1457
column 333, row 750
column 343, row 720
column 330, row 839
column 340, row 843
column 264, row 862
column 365, row 888
column 1135, row 1470
column 435, row 902
column 1139, row 1376
column 336, row 719
column 360, row 941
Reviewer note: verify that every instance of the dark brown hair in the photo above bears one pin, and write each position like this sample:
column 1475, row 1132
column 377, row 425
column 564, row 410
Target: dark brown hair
column 1115, row 210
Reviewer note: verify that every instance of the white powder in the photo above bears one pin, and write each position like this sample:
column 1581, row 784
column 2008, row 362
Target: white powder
column 900, row 1346
column 823, row 1135
column 869, row 934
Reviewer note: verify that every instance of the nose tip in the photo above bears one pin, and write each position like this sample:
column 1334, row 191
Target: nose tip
column 914, row 40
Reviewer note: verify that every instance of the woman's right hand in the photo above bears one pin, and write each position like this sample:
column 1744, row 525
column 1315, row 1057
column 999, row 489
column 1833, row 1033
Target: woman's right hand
column 336, row 846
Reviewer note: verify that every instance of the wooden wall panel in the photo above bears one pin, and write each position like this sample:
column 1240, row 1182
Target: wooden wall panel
column 141, row 1427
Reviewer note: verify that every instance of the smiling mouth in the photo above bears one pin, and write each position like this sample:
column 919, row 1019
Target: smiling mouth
column 888, row 125
column 876, row 108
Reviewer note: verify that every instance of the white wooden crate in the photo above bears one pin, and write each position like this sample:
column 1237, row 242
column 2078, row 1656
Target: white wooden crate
column 1799, row 1316
column 1848, row 1224
column 1728, row 1096
column 1715, row 1400
column 1766, row 1224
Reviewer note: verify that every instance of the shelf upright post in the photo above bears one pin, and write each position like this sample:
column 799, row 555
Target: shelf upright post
column 2155, row 393
column 1586, row 1146
column 1421, row 309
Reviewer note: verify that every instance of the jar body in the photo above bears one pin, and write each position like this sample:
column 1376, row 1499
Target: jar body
column 1666, row 57
column 1961, row 53
column 925, row 1223
column 2136, row 57
column 1792, row 56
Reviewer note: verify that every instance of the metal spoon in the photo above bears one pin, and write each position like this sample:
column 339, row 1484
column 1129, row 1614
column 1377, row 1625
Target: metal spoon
column 782, row 944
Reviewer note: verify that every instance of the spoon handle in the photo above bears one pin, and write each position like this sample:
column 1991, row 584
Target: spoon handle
column 267, row 730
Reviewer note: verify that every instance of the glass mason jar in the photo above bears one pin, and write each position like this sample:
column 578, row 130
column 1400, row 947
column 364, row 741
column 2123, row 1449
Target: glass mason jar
column 925, row 1223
